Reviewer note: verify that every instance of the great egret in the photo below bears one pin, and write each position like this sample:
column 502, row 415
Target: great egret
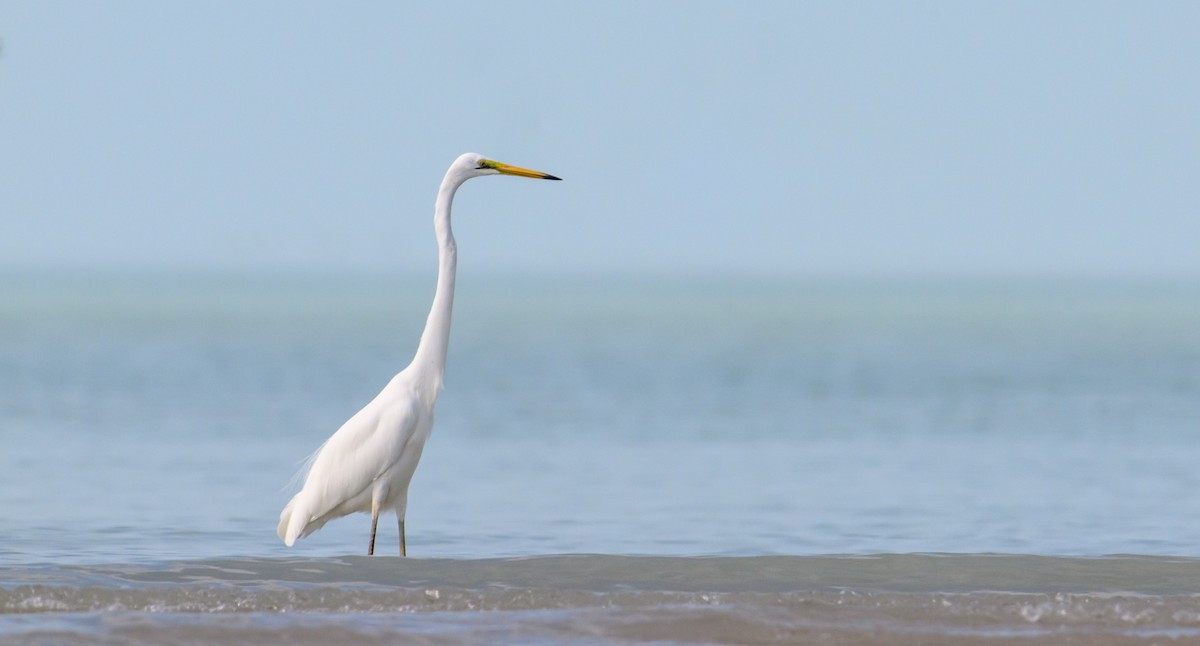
column 368, row 463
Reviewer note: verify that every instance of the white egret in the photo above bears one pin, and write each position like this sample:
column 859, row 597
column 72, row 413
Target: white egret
column 368, row 463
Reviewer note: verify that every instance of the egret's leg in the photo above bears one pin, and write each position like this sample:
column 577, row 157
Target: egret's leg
column 403, row 550
column 374, row 522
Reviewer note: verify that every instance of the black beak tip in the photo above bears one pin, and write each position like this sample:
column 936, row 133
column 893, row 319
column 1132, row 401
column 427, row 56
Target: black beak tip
column 552, row 177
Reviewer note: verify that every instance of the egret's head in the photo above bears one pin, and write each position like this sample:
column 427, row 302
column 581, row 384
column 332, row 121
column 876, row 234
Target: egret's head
column 470, row 165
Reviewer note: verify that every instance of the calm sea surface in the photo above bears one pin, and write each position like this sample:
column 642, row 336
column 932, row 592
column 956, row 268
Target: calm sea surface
column 149, row 429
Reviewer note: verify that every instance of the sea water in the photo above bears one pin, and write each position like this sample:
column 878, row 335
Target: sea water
column 743, row 460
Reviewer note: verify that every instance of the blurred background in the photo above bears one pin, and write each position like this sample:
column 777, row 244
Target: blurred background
column 781, row 139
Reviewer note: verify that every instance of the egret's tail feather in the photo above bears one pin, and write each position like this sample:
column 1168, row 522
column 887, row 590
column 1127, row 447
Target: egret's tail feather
column 296, row 521
column 291, row 524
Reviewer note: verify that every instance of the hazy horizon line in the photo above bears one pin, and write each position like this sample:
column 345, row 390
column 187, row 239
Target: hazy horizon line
column 623, row 276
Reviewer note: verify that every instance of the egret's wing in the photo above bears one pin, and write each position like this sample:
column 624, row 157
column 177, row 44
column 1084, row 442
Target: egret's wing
column 342, row 471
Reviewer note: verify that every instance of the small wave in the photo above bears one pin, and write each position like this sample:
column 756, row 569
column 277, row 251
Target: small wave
column 770, row 599
column 436, row 615
column 931, row 573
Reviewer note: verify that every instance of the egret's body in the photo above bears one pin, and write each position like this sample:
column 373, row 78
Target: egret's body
column 366, row 466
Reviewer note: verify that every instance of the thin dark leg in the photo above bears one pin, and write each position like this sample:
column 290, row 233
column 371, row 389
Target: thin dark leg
column 403, row 549
column 374, row 522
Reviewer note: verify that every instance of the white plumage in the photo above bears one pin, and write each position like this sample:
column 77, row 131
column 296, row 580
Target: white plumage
column 367, row 465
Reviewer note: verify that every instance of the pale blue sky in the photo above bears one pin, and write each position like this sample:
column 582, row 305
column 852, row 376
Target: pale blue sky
column 790, row 139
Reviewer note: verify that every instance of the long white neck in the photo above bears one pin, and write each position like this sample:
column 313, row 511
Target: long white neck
column 430, row 360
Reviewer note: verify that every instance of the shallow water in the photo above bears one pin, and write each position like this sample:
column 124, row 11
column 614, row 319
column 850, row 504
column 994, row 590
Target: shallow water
column 602, row 599
column 152, row 425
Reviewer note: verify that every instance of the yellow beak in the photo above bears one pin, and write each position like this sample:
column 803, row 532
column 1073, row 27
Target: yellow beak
column 517, row 170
